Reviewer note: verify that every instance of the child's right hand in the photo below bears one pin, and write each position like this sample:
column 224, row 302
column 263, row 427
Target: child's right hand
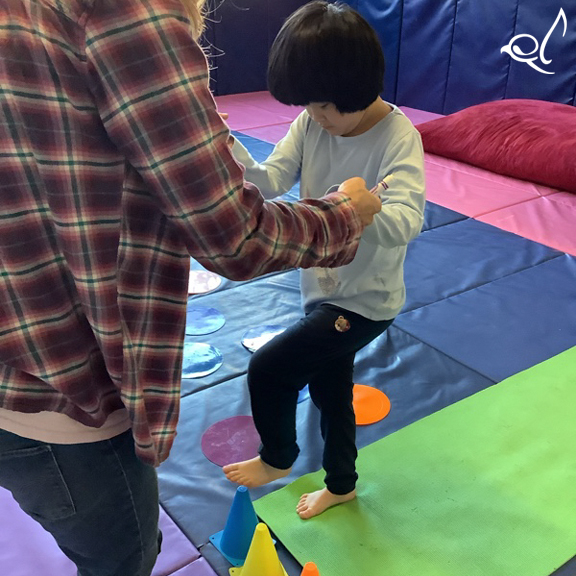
column 365, row 203
column 224, row 116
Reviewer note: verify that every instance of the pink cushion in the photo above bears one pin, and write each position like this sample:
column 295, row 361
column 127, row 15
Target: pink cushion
column 528, row 139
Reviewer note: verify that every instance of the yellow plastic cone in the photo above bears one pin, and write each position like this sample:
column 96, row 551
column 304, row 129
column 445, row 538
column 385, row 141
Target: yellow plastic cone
column 310, row 569
column 262, row 559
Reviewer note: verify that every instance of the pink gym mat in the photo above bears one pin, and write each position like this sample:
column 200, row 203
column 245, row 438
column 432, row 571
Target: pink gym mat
column 26, row 548
column 254, row 110
column 550, row 220
column 275, row 132
column 527, row 209
column 260, row 116
column 470, row 190
column 530, row 210
column 272, row 134
column 418, row 116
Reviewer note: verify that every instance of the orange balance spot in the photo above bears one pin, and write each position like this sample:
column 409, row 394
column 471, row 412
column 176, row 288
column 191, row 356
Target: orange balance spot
column 370, row 404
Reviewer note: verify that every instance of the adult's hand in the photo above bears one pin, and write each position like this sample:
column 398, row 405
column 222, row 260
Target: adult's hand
column 365, row 203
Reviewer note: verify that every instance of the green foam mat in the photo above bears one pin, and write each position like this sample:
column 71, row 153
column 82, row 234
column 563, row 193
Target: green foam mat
column 484, row 487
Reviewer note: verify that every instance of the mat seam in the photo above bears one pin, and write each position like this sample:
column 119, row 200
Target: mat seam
column 185, row 535
column 554, row 257
column 459, row 362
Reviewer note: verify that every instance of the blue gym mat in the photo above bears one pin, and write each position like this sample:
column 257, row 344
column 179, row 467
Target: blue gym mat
column 246, row 306
column 450, row 260
column 506, row 325
column 418, row 380
column 482, row 304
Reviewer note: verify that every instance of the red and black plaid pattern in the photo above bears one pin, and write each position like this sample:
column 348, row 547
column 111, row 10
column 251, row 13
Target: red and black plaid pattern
column 114, row 169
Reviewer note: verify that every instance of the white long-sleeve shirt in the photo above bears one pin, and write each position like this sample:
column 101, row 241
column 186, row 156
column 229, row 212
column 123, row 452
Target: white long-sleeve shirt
column 373, row 283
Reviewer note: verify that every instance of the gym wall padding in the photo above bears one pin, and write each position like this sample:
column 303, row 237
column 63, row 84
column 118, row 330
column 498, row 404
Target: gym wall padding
column 441, row 55
column 238, row 36
column 450, row 52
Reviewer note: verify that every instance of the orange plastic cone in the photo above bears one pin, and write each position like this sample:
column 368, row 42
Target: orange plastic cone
column 262, row 559
column 310, row 569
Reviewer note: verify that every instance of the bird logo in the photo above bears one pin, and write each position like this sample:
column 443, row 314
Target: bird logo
column 516, row 52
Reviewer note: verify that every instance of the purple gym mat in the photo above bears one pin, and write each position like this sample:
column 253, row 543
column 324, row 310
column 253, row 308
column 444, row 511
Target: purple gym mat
column 27, row 549
column 177, row 551
column 198, row 568
column 231, row 440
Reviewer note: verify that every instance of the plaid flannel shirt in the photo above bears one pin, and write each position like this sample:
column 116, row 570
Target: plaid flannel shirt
column 114, row 170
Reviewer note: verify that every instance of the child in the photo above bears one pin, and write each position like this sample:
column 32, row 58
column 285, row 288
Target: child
column 327, row 58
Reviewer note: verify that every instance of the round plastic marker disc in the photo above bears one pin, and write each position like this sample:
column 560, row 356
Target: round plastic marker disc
column 256, row 337
column 231, row 440
column 201, row 281
column 370, row 404
column 202, row 320
column 200, row 360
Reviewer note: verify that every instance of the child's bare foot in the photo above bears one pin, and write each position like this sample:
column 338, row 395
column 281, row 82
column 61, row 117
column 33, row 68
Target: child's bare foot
column 316, row 502
column 253, row 473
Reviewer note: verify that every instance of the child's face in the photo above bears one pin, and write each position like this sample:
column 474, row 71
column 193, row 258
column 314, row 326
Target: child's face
column 334, row 122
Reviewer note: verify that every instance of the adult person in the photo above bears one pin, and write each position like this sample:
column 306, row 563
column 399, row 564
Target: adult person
column 115, row 169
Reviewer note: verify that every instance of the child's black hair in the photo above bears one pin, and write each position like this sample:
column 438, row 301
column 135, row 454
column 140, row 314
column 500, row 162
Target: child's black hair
column 326, row 52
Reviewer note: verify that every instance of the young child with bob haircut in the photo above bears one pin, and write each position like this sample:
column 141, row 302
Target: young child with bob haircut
column 327, row 58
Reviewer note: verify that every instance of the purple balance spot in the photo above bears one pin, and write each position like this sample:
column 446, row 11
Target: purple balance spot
column 231, row 440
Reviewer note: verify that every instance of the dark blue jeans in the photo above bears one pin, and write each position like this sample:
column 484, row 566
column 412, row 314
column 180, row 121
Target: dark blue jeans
column 98, row 500
column 312, row 352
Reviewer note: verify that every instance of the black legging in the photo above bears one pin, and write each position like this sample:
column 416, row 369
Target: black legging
column 312, row 352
